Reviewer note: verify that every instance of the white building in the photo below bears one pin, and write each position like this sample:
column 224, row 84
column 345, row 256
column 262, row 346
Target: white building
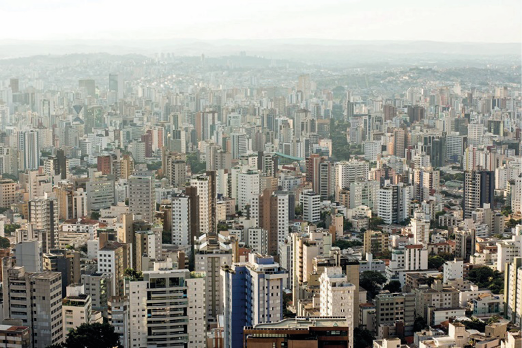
column 77, row 310
column 508, row 250
column 348, row 172
column 453, row 270
column 371, row 150
column 181, row 220
column 311, row 203
column 337, row 297
column 420, row 227
column 248, row 189
column 197, row 320
column 159, row 294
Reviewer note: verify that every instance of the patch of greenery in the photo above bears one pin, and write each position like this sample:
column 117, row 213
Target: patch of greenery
column 10, row 228
column 487, row 278
column 372, row 281
column 362, row 338
column 345, row 244
column 196, row 166
column 91, row 336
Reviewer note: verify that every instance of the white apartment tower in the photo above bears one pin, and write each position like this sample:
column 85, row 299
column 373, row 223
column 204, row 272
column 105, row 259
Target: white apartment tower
column 311, row 203
column 181, row 220
column 337, row 297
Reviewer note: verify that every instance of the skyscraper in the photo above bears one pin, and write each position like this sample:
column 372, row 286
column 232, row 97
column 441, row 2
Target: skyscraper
column 253, row 294
column 141, row 197
column 479, row 187
column 35, row 299
column 29, row 151
column 43, row 215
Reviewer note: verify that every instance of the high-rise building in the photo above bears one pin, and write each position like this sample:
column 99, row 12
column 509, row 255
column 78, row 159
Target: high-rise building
column 196, row 309
column 77, row 310
column 176, row 172
column 64, row 262
column 29, row 149
column 479, row 188
column 205, row 185
column 337, row 297
column 181, row 215
column 210, row 255
column 28, row 255
column 147, row 248
column 43, row 215
column 274, row 217
column 393, row 205
column 393, row 308
column 513, row 292
column 420, row 227
column 253, row 294
column 35, row 299
column 348, row 172
column 158, row 309
column 113, row 259
column 248, row 191
column 7, row 193
column 100, row 193
column 311, row 203
column 516, row 193
column 116, row 85
column 141, row 197
column 98, row 287
column 239, row 145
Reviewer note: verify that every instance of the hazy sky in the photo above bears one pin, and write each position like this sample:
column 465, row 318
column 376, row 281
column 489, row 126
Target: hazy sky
column 437, row 20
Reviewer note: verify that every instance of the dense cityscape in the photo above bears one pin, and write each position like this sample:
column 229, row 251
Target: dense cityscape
column 261, row 195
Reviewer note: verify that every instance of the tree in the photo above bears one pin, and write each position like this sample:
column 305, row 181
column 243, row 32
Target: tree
column 435, row 262
column 419, row 324
column 95, row 215
column 485, row 277
column 222, row 227
column 287, row 298
column 347, row 225
column 474, row 324
column 91, row 336
column 375, row 222
column 10, row 228
column 394, row 286
column 9, row 176
column 345, row 244
column 4, row 243
column 371, row 281
column 132, row 274
column 298, row 210
column 362, row 338
column 154, row 166
column 196, row 166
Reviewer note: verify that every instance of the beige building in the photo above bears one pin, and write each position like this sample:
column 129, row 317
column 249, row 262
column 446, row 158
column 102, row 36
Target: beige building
column 35, row 299
column 7, row 193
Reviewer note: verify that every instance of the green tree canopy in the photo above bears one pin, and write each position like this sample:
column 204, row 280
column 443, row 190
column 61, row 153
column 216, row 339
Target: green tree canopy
column 345, row 244
column 371, row 281
column 394, row 286
column 486, row 278
column 91, row 336
column 362, row 338
column 435, row 262
column 4, row 243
